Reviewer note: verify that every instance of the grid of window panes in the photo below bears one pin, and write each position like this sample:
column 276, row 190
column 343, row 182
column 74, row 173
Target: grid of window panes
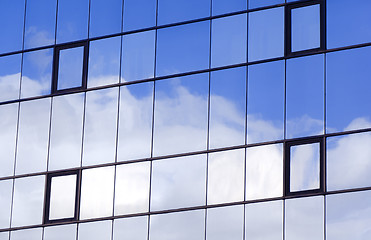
column 185, row 119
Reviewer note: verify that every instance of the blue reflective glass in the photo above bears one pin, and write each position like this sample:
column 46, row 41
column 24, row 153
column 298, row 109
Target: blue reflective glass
column 40, row 23
column 228, row 40
column 70, row 68
column 139, row 14
column 263, row 3
column 105, row 17
column 222, row 6
column 10, row 76
column 183, row 48
column 266, row 34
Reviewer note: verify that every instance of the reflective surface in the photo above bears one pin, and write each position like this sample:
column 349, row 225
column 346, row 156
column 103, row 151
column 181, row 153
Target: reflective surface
column 139, row 14
column 70, row 69
column 10, row 75
column 263, row 3
column 29, row 234
column 6, row 189
column 62, row 197
column 65, row 232
column 105, row 17
column 134, row 228
column 221, row 6
column 95, row 230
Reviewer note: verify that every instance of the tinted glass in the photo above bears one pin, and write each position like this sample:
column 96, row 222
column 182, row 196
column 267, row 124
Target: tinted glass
column 139, row 14
column 4, row 235
column 134, row 228
column 29, row 234
column 95, row 230
column 70, row 68
column 10, row 75
column 221, row 6
column 266, row 34
column 65, row 232
column 6, row 189
column 263, row 3
column 105, row 17
column 183, row 48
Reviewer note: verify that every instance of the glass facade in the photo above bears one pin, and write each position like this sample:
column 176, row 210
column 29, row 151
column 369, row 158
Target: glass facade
column 185, row 119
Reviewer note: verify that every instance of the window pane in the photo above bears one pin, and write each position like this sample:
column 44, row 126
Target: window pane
column 227, row 107
column 135, row 126
column 70, row 69
column 170, row 11
column 40, row 23
column 134, row 228
column 222, row 7
column 66, row 131
column 104, row 62
column 228, row 40
column 65, row 232
column 132, row 188
column 225, row 223
column 263, row 3
column 37, row 73
column 97, row 193
column 28, row 201
column 4, row 235
column 138, row 56
column 139, row 14
column 183, row 48
column 100, row 127
column 10, row 75
column 348, row 85
column 33, row 136
column 265, row 108
column 266, row 34
column 95, row 230
column 226, row 176
column 181, row 114
column 6, row 189
column 180, row 226
column 105, row 17
column 62, row 197
column 349, row 161
column 29, row 234
column 264, row 172
column 305, row 96
column 178, row 182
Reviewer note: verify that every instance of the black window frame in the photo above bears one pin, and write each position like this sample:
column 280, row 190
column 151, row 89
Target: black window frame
column 57, row 50
column 287, row 167
column 48, row 195
column 288, row 29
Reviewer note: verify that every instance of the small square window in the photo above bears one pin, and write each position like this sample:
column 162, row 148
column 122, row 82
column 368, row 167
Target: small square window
column 62, row 194
column 304, row 166
column 70, row 67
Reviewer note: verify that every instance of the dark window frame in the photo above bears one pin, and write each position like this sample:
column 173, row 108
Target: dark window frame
column 287, row 167
column 57, row 51
column 288, row 27
column 48, row 195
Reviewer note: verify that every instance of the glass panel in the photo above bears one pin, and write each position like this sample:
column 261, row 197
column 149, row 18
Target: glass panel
column 4, row 235
column 28, row 201
column 263, row 3
column 72, row 22
column 181, row 114
column 130, row 228
column 349, row 161
column 10, row 75
column 66, row 131
column 178, row 182
column 225, row 223
column 304, row 167
column 305, row 28
column 266, row 34
column 100, row 126
column 62, row 197
column 40, row 23
column 132, row 188
column 138, row 56
column 179, row 226
column 264, row 172
column 264, row 220
column 221, row 7
column 97, row 193
column 135, row 126
column 304, row 218
column 183, row 48
column 33, row 136
column 265, row 108
column 226, row 176
column 65, row 232
column 305, row 96
column 170, row 11
column 8, row 129
column 348, row 85
column 36, row 73
column 11, row 25
column 70, row 69
column 352, row 29
column 228, row 40
column 139, row 14
column 348, row 216
column 104, row 62
column 227, row 107
column 105, row 17
column 95, row 230
column 6, row 189
column 29, row 234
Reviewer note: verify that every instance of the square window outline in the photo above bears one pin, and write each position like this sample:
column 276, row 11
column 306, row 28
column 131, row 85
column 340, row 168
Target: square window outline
column 288, row 29
column 57, row 51
column 287, row 168
column 48, row 191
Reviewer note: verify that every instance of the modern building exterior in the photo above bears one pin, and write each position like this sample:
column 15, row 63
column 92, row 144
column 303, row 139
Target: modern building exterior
column 185, row 119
